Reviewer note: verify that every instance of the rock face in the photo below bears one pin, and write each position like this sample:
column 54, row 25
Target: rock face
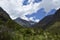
column 48, row 20
column 24, row 22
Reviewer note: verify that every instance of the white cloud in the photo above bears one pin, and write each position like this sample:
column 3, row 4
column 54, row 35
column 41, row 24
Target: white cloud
column 15, row 8
column 37, row 20
column 50, row 4
column 32, row 18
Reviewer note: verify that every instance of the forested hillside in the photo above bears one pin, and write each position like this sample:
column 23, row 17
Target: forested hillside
column 10, row 30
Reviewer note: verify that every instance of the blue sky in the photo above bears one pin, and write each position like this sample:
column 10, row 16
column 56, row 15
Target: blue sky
column 25, row 2
column 33, row 10
column 35, row 1
column 40, row 14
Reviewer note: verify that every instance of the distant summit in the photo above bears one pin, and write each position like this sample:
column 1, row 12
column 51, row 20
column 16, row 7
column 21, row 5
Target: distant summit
column 24, row 22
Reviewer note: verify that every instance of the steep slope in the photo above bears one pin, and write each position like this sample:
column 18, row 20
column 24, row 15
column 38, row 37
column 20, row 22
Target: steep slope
column 24, row 22
column 55, row 27
column 3, row 16
column 7, row 26
column 48, row 20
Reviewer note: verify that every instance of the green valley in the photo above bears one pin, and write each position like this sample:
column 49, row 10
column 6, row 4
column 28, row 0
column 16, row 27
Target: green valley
column 10, row 30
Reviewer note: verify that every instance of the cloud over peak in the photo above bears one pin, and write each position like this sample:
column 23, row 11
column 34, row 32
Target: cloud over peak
column 15, row 8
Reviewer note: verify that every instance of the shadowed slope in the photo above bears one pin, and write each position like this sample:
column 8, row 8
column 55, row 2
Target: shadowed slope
column 48, row 20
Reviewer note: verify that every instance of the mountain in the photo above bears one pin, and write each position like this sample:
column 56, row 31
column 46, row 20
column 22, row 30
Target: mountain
column 49, row 20
column 24, row 22
column 40, row 14
column 7, row 25
column 3, row 15
column 6, row 21
column 10, row 30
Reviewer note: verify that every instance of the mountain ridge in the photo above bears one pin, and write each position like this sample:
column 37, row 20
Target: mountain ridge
column 24, row 22
column 50, row 19
column 10, row 30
